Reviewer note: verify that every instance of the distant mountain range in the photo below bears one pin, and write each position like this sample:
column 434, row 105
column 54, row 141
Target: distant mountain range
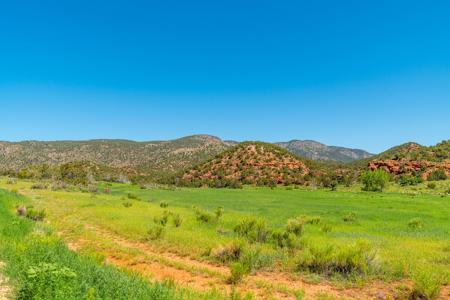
column 318, row 151
column 166, row 158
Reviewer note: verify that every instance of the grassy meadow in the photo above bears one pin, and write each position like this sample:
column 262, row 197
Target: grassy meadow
column 347, row 239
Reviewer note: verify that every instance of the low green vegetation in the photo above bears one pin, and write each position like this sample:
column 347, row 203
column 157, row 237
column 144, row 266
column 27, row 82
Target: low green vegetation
column 41, row 267
column 346, row 235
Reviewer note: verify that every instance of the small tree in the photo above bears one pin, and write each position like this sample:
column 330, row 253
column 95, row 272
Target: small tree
column 375, row 181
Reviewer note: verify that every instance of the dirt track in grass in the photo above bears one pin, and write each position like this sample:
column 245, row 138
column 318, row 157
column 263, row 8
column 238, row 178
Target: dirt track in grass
column 142, row 258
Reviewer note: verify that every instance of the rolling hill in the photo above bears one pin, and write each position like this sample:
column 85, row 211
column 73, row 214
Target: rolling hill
column 249, row 163
column 145, row 158
column 413, row 159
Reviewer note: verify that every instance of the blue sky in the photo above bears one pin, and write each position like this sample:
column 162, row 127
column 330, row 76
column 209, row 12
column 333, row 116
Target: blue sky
column 364, row 74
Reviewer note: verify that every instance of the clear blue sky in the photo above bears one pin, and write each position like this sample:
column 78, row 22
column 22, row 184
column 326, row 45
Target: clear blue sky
column 365, row 74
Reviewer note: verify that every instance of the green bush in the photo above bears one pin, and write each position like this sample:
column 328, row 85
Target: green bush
column 127, row 204
column 228, row 253
column 219, row 212
column 254, row 230
column 254, row 258
column 415, row 223
column 162, row 220
column 47, row 280
column 238, row 272
column 437, row 175
column 346, row 260
column 155, row 232
column 177, row 220
column 132, row 196
column 284, row 239
column 326, row 228
column 163, row 204
column 406, row 180
column 295, row 226
column 203, row 216
column 431, row 185
column 375, row 181
column 349, row 217
column 426, row 285
column 35, row 214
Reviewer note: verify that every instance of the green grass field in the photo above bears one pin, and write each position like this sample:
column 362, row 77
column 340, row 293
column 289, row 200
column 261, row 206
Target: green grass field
column 406, row 235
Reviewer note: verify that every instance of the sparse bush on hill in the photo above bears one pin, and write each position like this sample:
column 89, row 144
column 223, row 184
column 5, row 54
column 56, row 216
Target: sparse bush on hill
column 437, row 175
column 431, row 185
column 406, row 180
column 375, row 181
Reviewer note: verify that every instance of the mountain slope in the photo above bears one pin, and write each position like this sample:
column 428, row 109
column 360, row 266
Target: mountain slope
column 249, row 163
column 317, row 151
column 147, row 158
column 414, row 159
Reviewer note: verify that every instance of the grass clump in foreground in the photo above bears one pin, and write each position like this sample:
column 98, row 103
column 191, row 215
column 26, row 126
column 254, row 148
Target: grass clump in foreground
column 345, row 260
column 41, row 266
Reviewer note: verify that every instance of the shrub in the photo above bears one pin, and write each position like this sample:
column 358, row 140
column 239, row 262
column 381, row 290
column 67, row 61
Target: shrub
column 35, row 214
column 326, row 228
column 163, row 204
column 405, row 180
column 312, row 220
column 415, row 223
column 132, row 196
column 284, row 239
column 21, row 211
column 327, row 259
column 254, row 230
column 155, row 232
column 162, row 220
column 255, row 259
column 426, row 285
column 44, row 279
column 177, row 220
column 350, row 217
column 93, row 189
column 228, row 253
column 219, row 212
column 295, row 226
column 203, row 216
column 437, row 175
column 39, row 186
column 431, row 185
column 238, row 272
column 333, row 185
column 127, row 204
column 375, row 181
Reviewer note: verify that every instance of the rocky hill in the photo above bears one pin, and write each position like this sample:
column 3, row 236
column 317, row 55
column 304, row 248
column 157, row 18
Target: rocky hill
column 249, row 163
column 414, row 160
column 318, row 151
column 143, row 158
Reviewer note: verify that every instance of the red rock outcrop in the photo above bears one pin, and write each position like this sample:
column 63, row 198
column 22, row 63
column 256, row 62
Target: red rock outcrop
column 404, row 166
